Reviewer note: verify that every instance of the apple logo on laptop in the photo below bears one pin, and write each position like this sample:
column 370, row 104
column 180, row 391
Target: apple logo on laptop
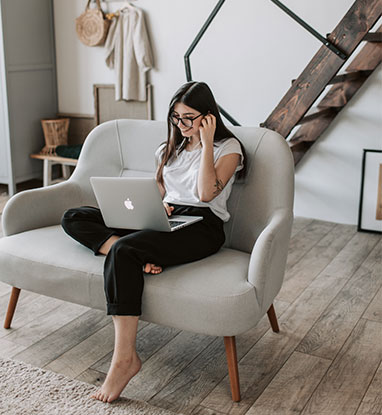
column 129, row 204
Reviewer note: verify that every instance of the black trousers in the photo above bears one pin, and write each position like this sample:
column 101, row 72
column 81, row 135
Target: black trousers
column 123, row 268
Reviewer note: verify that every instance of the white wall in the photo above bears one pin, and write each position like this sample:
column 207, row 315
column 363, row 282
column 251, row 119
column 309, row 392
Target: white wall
column 328, row 179
column 248, row 56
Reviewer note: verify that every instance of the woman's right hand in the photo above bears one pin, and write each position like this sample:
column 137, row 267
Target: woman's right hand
column 168, row 208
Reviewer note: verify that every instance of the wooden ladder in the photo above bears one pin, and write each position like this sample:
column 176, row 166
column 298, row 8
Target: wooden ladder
column 322, row 71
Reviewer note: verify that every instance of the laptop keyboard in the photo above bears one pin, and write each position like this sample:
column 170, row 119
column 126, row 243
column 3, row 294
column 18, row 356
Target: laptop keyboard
column 175, row 223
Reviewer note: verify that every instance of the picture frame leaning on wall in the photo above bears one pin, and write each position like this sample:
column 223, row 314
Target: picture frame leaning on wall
column 370, row 203
column 106, row 108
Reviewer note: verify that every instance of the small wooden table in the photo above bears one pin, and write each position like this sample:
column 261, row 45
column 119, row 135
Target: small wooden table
column 49, row 161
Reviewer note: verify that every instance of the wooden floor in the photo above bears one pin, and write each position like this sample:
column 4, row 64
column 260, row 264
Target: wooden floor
column 325, row 360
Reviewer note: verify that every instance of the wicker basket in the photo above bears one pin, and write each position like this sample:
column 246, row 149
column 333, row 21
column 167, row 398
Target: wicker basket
column 55, row 133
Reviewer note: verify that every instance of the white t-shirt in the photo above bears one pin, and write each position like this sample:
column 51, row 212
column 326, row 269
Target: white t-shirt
column 181, row 177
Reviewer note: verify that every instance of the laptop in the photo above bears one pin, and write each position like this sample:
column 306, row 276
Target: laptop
column 135, row 203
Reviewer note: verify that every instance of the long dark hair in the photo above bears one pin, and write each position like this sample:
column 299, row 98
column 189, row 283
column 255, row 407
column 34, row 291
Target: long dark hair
column 198, row 96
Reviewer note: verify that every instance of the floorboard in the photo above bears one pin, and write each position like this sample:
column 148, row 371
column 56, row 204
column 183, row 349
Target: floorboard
column 271, row 352
column 325, row 360
column 345, row 383
column 64, row 338
column 330, row 332
column 159, row 370
column 372, row 401
column 76, row 360
column 374, row 311
column 299, row 276
column 291, row 388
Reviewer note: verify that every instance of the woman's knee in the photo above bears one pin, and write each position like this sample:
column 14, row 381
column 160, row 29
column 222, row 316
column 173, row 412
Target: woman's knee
column 80, row 213
column 68, row 217
column 73, row 216
column 118, row 249
column 122, row 251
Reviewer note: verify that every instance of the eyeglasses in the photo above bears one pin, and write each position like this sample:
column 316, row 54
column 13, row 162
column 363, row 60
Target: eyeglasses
column 187, row 122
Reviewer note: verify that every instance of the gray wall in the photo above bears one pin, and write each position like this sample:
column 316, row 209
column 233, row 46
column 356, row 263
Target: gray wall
column 29, row 59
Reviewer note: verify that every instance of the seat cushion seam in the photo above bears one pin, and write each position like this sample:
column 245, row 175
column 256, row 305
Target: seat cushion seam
column 48, row 264
column 202, row 295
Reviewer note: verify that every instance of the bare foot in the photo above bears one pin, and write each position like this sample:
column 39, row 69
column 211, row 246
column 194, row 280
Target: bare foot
column 152, row 269
column 119, row 375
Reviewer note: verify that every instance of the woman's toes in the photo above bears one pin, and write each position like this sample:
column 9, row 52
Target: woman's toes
column 147, row 268
column 95, row 395
column 152, row 269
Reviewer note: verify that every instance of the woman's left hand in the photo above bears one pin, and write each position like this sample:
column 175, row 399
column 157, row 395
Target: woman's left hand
column 207, row 130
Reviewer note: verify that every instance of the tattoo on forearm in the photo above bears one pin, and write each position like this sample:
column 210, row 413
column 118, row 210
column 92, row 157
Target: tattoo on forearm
column 219, row 186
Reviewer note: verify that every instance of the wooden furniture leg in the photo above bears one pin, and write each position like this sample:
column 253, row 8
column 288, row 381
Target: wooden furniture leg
column 273, row 319
column 47, row 176
column 11, row 307
column 65, row 171
column 49, row 161
column 233, row 371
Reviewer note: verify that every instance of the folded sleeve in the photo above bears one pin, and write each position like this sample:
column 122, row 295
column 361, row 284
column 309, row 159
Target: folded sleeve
column 230, row 146
column 142, row 48
column 110, row 42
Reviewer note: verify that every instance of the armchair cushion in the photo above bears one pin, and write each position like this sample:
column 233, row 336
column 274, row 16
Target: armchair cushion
column 194, row 296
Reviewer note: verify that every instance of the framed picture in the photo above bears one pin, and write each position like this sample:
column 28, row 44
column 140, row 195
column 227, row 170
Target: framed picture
column 370, row 204
column 107, row 108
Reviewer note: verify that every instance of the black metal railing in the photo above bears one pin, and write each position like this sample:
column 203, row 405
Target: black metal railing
column 211, row 17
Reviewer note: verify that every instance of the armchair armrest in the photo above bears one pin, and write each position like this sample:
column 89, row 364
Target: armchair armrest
column 40, row 207
column 268, row 258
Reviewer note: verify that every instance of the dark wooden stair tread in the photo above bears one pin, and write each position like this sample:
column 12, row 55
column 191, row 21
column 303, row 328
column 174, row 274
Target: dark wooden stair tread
column 373, row 37
column 319, row 113
column 322, row 71
column 310, row 131
column 349, row 76
column 325, row 64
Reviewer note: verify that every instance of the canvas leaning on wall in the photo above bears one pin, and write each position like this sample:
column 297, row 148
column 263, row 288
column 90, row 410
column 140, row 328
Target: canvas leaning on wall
column 370, row 205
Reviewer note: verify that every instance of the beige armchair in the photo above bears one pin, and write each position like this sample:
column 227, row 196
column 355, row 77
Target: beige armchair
column 224, row 295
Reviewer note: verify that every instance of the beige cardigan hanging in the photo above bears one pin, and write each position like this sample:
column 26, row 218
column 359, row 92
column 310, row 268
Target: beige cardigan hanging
column 128, row 51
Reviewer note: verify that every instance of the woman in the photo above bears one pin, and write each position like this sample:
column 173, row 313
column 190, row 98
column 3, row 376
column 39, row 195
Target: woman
column 196, row 169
